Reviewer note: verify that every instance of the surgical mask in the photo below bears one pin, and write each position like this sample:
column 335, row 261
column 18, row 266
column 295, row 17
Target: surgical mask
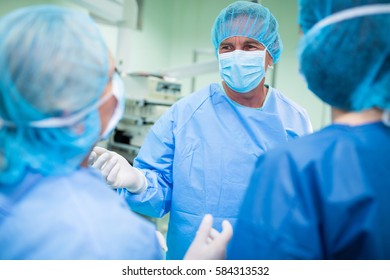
column 241, row 70
column 56, row 122
column 119, row 93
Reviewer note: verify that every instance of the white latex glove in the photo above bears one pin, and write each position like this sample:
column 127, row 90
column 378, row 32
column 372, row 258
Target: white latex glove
column 209, row 244
column 117, row 170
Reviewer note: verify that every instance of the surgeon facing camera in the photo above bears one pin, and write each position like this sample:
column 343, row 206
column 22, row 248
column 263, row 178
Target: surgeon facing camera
column 59, row 95
column 199, row 156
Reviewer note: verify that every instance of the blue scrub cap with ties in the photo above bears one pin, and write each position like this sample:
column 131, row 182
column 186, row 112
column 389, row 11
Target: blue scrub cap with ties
column 53, row 64
column 345, row 52
column 252, row 20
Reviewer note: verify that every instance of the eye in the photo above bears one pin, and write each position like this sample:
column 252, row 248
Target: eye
column 225, row 48
column 251, row 47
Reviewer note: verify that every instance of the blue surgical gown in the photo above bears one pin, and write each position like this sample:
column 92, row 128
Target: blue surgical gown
column 324, row 197
column 198, row 158
column 71, row 217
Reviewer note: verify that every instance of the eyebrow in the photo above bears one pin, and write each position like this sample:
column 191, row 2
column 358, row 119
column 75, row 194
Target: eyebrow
column 225, row 44
column 249, row 41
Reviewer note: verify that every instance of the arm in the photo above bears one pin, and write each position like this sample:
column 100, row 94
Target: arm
column 147, row 186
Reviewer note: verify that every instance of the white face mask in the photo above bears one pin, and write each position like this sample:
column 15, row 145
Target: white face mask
column 241, row 70
column 55, row 122
column 119, row 92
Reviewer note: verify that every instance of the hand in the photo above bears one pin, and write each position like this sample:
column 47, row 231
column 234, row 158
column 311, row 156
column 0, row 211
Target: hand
column 117, row 171
column 209, row 244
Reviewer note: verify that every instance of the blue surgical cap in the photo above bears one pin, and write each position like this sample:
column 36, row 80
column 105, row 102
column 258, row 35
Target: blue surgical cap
column 53, row 63
column 346, row 63
column 250, row 20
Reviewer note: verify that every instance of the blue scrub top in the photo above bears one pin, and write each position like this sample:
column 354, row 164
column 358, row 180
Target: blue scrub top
column 199, row 156
column 71, row 217
column 325, row 197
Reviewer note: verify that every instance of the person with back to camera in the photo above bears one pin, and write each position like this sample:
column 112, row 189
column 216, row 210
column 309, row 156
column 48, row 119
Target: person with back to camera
column 199, row 156
column 328, row 195
column 60, row 94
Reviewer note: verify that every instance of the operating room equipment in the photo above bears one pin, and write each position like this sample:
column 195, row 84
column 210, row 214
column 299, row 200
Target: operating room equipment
column 147, row 98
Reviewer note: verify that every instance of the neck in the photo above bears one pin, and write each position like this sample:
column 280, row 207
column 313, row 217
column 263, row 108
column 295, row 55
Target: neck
column 254, row 99
column 356, row 118
column 84, row 163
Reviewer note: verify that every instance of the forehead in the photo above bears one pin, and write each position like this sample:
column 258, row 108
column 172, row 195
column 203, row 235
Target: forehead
column 240, row 40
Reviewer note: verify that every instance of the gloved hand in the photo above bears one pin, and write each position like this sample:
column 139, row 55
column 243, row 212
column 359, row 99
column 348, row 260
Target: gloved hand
column 117, row 170
column 209, row 244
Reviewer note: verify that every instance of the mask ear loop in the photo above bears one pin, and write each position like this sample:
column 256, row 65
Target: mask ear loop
column 5, row 123
column 71, row 119
column 265, row 56
column 386, row 118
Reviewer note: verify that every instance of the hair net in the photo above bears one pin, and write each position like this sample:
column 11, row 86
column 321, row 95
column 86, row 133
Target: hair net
column 346, row 63
column 250, row 20
column 53, row 63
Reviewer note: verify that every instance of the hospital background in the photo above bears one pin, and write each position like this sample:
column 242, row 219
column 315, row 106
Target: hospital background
column 163, row 51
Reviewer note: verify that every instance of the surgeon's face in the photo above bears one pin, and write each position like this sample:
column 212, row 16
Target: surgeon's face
column 107, row 109
column 244, row 44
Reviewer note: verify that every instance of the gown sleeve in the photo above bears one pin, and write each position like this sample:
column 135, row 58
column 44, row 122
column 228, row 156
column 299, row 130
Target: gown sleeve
column 155, row 160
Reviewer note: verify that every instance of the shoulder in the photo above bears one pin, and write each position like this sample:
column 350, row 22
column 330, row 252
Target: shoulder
column 183, row 110
column 293, row 116
column 193, row 101
column 291, row 169
column 80, row 210
column 286, row 102
column 306, row 150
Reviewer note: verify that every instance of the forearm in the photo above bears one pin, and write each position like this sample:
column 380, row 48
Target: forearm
column 155, row 201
